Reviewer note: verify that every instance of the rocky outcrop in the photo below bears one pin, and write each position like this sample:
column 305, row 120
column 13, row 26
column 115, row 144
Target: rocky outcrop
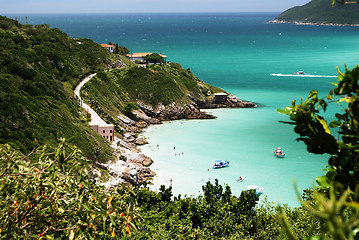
column 148, row 115
column 141, row 141
column 230, row 102
column 130, row 167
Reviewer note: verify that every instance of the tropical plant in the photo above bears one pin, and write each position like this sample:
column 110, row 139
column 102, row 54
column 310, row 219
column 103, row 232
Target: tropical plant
column 52, row 195
column 337, row 204
column 343, row 171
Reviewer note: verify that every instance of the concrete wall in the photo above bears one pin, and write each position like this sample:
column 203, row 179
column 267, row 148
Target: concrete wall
column 110, row 49
column 133, row 59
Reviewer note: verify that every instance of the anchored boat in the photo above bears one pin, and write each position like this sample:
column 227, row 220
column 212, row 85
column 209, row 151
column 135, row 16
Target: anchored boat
column 299, row 73
column 257, row 189
column 220, row 163
column 278, row 153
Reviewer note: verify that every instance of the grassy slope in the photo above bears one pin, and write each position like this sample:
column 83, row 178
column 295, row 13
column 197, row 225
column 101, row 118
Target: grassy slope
column 39, row 68
column 321, row 11
column 157, row 84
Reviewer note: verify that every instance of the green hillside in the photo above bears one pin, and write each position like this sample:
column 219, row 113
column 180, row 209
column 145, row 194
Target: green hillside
column 39, row 68
column 153, row 85
column 322, row 12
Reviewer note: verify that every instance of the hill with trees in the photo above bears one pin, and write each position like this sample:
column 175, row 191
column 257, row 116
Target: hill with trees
column 116, row 90
column 39, row 68
column 321, row 12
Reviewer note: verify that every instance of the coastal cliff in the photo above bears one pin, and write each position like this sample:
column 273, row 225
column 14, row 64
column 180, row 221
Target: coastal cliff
column 321, row 12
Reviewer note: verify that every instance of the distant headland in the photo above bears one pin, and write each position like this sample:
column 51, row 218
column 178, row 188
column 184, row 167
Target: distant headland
column 321, row 12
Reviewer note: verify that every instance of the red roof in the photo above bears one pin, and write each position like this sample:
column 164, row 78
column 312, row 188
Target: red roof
column 139, row 55
column 106, row 45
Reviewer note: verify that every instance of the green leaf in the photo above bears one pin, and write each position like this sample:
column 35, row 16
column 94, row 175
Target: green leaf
column 86, row 206
column 324, row 124
column 322, row 181
column 334, row 124
column 285, row 110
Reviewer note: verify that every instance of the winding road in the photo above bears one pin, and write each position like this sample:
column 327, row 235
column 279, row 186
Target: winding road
column 95, row 118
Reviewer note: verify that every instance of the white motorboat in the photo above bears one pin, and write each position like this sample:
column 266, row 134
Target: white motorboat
column 279, row 153
column 257, row 189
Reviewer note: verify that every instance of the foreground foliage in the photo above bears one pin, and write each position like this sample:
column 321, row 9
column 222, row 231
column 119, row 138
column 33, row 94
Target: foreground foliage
column 51, row 195
column 338, row 203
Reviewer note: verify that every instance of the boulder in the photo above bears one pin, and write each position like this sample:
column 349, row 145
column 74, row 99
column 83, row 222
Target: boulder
column 141, row 141
column 126, row 120
column 141, row 124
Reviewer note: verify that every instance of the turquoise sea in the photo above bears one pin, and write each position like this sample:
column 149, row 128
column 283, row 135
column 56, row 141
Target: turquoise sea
column 237, row 52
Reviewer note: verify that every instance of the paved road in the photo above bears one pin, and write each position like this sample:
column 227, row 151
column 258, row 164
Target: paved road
column 95, row 118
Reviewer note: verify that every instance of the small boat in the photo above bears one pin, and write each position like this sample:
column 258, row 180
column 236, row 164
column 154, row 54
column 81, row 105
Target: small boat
column 257, row 189
column 220, row 163
column 299, row 73
column 278, row 153
column 241, row 179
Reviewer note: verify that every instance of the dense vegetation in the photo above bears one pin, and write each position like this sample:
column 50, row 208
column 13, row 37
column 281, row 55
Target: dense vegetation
column 51, row 196
column 39, row 68
column 322, row 12
column 111, row 92
column 154, row 58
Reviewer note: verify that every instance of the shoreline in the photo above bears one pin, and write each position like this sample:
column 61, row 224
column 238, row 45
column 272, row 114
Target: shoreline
column 132, row 167
column 275, row 21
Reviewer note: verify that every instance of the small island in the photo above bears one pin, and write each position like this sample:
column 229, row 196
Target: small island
column 321, row 12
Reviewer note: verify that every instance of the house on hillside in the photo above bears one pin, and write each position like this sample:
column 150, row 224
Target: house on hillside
column 105, row 130
column 108, row 47
column 141, row 56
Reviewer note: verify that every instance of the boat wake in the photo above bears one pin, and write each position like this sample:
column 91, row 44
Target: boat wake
column 301, row 75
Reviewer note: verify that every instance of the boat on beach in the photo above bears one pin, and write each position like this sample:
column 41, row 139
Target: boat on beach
column 278, row 152
column 257, row 189
column 220, row 163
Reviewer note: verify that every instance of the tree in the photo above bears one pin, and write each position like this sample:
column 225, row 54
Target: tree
column 154, row 58
column 343, row 171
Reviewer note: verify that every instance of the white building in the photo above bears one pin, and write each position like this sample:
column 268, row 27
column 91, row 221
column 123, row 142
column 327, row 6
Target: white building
column 108, row 47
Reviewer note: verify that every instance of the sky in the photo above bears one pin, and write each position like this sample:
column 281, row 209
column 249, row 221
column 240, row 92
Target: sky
column 141, row 6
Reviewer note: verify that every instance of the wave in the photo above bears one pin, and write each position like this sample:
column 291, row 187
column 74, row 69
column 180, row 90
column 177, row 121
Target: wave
column 301, row 75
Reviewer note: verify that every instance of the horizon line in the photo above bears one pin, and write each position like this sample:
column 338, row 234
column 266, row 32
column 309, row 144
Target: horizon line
column 53, row 13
